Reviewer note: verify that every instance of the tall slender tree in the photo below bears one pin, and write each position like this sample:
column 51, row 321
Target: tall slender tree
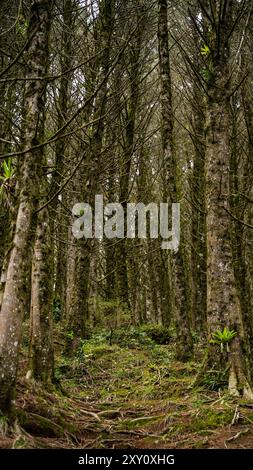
column 15, row 296
column 171, row 191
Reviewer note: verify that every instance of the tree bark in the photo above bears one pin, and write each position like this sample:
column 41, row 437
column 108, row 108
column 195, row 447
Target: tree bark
column 223, row 306
column 175, row 262
column 78, row 306
column 14, row 297
column 41, row 347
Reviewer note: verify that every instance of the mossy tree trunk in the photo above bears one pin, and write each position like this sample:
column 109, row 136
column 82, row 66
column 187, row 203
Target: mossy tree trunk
column 129, row 118
column 197, row 187
column 58, row 214
column 41, row 346
column 17, row 279
column 223, row 306
column 174, row 261
column 77, row 301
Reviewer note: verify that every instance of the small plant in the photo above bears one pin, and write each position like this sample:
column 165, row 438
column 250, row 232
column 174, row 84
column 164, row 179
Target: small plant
column 7, row 171
column 21, row 26
column 215, row 379
column 3, row 425
column 70, row 335
column 207, row 74
column 205, row 50
column 130, row 337
column 195, row 336
column 223, row 337
column 57, row 309
column 158, row 333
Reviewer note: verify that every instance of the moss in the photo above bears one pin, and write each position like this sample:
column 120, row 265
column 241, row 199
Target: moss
column 158, row 333
column 135, row 389
column 91, row 351
column 139, row 422
column 20, row 443
column 3, row 425
column 207, row 419
column 39, row 425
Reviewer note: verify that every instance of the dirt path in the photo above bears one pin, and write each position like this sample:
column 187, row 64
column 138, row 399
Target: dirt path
column 116, row 397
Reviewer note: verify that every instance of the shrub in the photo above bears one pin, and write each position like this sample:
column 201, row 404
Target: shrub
column 158, row 333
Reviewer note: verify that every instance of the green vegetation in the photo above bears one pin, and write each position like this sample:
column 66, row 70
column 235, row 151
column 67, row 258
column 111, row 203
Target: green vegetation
column 223, row 337
column 129, row 392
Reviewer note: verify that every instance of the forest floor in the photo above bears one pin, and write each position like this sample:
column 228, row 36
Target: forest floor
column 129, row 394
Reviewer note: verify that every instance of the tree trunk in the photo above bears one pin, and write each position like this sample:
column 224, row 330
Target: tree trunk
column 78, row 309
column 197, row 187
column 42, row 354
column 223, row 307
column 14, row 297
column 180, row 308
column 61, row 150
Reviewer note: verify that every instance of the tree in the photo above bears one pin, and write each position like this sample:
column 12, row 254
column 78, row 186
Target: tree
column 14, row 301
column 171, row 191
column 223, row 306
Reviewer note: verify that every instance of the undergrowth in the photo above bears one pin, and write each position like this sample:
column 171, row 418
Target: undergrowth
column 124, row 389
